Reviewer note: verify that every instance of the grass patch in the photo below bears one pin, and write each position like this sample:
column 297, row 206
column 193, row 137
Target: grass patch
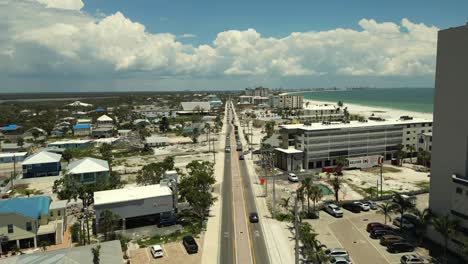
column 22, row 189
column 376, row 170
column 423, row 185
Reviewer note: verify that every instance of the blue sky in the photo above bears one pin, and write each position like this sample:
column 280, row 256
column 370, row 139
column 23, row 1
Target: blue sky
column 89, row 45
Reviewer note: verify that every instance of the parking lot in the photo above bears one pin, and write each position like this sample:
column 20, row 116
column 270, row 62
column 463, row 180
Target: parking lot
column 350, row 233
column 174, row 252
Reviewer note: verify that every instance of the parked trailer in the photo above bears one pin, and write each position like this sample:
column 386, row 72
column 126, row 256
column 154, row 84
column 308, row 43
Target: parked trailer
column 364, row 162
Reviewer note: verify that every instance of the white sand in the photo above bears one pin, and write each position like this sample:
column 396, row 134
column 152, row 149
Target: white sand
column 387, row 113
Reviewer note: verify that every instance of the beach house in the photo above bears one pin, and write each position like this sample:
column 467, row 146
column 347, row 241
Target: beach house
column 89, row 170
column 42, row 164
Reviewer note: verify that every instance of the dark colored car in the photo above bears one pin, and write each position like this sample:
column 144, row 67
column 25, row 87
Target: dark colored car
column 241, row 157
column 400, row 247
column 390, row 239
column 253, row 217
column 379, row 227
column 373, row 225
column 355, row 208
column 190, row 244
column 411, row 218
column 167, row 221
column 378, row 233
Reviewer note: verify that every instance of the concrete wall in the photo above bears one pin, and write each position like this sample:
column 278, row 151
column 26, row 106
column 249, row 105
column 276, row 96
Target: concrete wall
column 19, row 226
column 450, row 132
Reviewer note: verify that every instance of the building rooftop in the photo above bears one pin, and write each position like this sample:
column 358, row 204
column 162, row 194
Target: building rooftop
column 320, row 107
column 10, row 127
column 105, row 118
column 353, row 124
column 111, row 252
column 87, row 165
column 78, row 103
column 60, row 204
column 156, row 139
column 42, row 157
column 75, row 141
column 193, row 106
column 31, row 207
column 16, row 154
column 82, row 126
column 289, row 150
column 130, row 194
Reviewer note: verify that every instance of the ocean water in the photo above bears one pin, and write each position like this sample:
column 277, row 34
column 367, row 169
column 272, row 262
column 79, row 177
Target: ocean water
column 412, row 99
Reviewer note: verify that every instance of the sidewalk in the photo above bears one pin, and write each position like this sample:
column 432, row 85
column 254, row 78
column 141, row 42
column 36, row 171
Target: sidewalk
column 212, row 235
column 278, row 238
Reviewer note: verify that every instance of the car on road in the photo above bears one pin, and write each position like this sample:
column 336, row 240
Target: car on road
column 253, row 217
column 378, row 233
column 334, row 210
column 190, row 244
column 371, row 204
column 241, row 157
column 336, row 252
column 411, row 259
column 293, row 177
column 403, row 223
column 157, row 251
column 389, row 239
column 352, row 207
column 227, row 149
column 400, row 247
column 340, row 260
column 364, row 207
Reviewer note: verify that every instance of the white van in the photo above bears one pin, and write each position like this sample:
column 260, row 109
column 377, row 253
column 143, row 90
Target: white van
column 156, row 251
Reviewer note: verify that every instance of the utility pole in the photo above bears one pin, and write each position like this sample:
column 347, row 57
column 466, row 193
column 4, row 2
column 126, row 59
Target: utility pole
column 296, row 231
column 381, row 178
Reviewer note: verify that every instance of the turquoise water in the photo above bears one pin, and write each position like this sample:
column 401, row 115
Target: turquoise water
column 412, row 99
column 324, row 189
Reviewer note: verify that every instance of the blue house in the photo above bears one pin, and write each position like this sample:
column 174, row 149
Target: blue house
column 42, row 164
column 82, row 129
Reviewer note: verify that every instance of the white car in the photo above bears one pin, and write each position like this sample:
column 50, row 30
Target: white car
column 337, row 252
column 372, row 204
column 157, row 251
column 333, row 210
column 364, row 206
column 293, row 177
column 340, row 260
column 403, row 224
column 411, row 259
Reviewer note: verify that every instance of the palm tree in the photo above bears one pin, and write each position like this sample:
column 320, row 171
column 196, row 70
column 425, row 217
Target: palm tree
column 424, row 217
column 300, row 196
column 336, row 184
column 411, row 149
column 307, row 186
column 285, row 203
column 402, row 205
column 400, row 153
column 96, row 251
column 386, row 209
column 316, row 194
column 446, row 228
column 107, row 222
column 319, row 255
column 340, row 163
column 424, row 157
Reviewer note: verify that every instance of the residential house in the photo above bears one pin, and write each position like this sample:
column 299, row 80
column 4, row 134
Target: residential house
column 42, row 164
column 89, row 170
column 29, row 134
column 102, row 132
column 12, row 132
column 25, row 222
column 14, row 147
column 105, row 121
column 188, row 108
column 156, row 141
column 82, row 129
column 71, row 144
column 12, row 157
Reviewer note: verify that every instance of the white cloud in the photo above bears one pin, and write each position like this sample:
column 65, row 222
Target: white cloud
column 188, row 36
column 42, row 40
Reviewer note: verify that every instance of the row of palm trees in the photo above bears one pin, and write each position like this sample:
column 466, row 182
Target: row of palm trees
column 443, row 225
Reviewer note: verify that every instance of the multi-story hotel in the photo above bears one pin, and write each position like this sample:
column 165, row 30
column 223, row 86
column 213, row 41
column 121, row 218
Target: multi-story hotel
column 290, row 101
column 448, row 194
column 320, row 144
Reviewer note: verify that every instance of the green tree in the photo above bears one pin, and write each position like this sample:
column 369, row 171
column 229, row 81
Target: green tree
column 96, row 251
column 340, row 163
column 346, row 113
column 307, row 187
column 336, row 184
column 144, row 133
column 424, row 218
column 402, row 205
column 446, row 228
column 411, row 149
column 67, row 155
column 164, row 124
column 35, row 133
column 316, row 195
column 196, row 187
column 312, row 248
column 44, row 245
column 386, row 209
column 300, row 194
column 400, row 154
column 285, row 203
column 75, row 232
column 106, row 152
column 424, row 157
column 20, row 142
column 115, row 181
column 107, row 223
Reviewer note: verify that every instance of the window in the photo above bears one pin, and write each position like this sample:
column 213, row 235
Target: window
column 59, row 213
column 10, row 229
column 28, row 226
column 51, row 213
column 459, row 190
column 407, row 139
column 422, row 131
column 407, row 132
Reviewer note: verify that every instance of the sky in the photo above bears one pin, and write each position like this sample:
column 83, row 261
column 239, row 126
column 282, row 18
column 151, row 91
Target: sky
column 163, row 45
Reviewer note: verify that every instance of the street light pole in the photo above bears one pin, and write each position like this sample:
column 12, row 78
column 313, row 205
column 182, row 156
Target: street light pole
column 296, row 232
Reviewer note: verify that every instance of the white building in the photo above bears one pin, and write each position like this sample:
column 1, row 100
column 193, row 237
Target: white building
column 326, row 112
column 12, row 157
column 135, row 202
column 89, row 170
column 156, row 141
column 425, row 142
column 290, row 101
column 105, row 121
column 258, row 91
column 322, row 143
column 448, row 195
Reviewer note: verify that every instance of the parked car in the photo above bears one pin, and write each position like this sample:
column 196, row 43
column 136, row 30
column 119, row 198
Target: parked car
column 340, row 260
column 378, row 233
column 364, row 207
column 190, row 244
column 352, row 207
column 372, row 225
column 334, row 210
column 372, row 204
column 253, row 217
column 336, row 252
column 241, row 157
column 411, row 259
column 402, row 223
column 400, row 247
column 410, row 199
column 411, row 218
column 157, row 251
column 389, row 239
column 384, row 227
column 293, row 177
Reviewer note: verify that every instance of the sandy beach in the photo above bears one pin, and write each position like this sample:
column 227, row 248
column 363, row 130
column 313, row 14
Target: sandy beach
column 387, row 113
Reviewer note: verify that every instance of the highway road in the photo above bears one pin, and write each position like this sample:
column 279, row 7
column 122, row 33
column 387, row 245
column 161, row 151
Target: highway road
column 241, row 241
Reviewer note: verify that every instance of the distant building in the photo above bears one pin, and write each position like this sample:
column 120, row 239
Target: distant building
column 194, row 108
column 317, row 113
column 24, row 222
column 110, row 252
column 124, row 132
column 135, row 203
column 82, row 129
column 102, row 132
column 274, row 101
column 448, row 194
column 424, row 142
column 42, row 164
column 105, row 121
column 88, row 170
column 290, row 101
column 14, row 147
column 12, row 132
column 156, row 141
column 12, row 157
column 29, row 134
column 258, row 91
column 84, row 121
column 141, row 122
column 71, row 144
